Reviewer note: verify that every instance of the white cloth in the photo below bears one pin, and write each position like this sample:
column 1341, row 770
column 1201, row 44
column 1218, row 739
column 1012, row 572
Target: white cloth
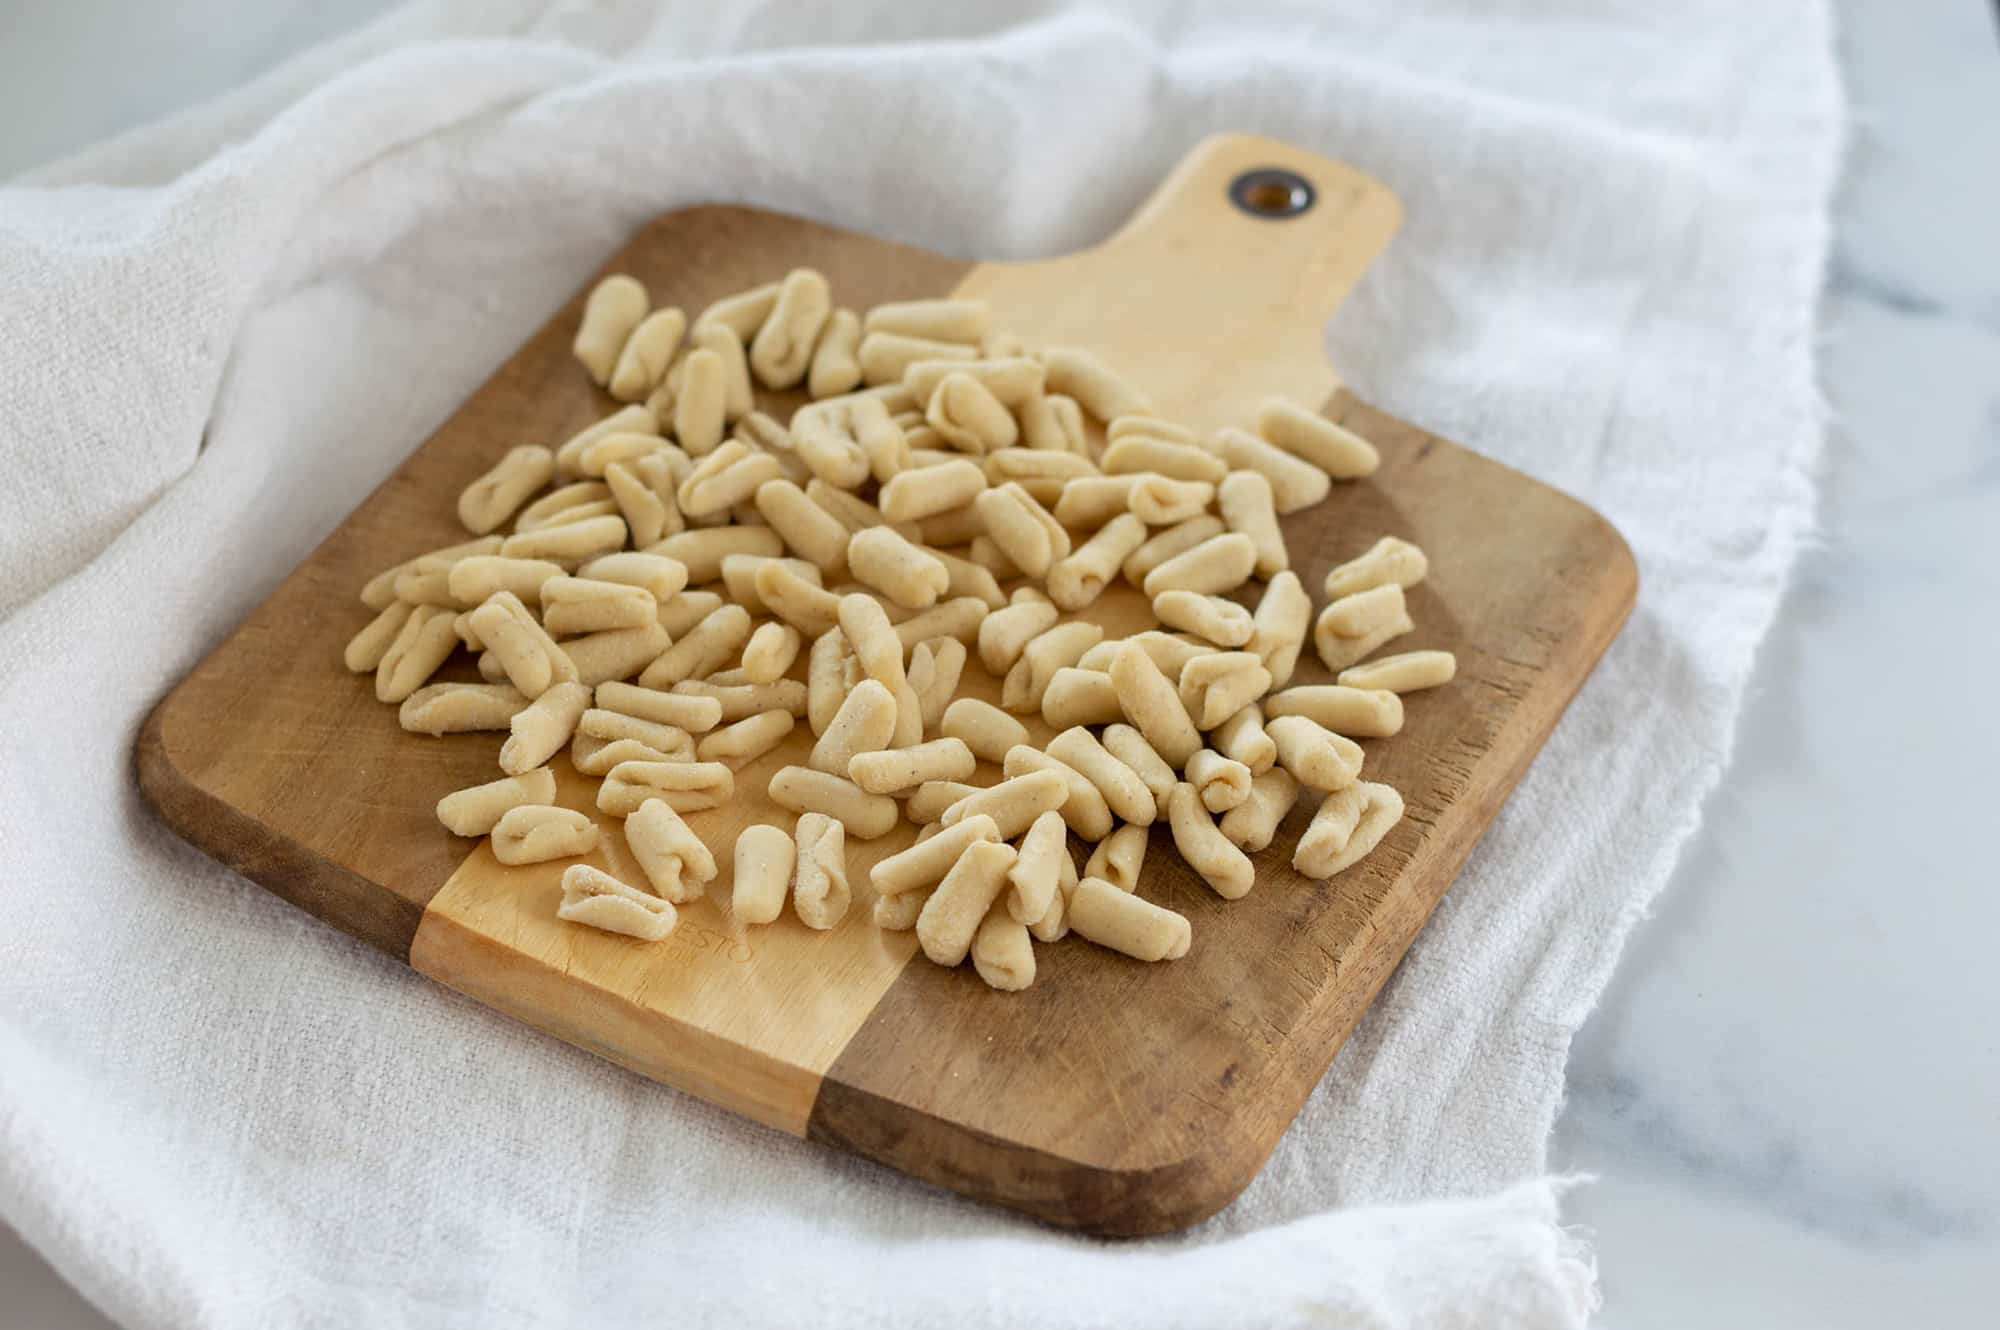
column 218, row 334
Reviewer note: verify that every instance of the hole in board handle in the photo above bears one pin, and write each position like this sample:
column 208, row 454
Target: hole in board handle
column 1272, row 193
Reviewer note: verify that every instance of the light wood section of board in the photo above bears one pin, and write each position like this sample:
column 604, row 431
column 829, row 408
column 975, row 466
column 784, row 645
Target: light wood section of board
column 749, row 1018
column 1205, row 307
column 746, row 1018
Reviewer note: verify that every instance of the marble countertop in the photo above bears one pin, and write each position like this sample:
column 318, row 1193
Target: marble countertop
column 1790, row 1096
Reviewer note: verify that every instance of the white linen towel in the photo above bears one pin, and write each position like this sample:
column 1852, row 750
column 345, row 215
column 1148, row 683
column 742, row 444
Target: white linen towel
column 219, row 333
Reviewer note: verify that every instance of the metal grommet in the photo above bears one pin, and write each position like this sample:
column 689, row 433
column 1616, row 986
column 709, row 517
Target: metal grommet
column 1271, row 192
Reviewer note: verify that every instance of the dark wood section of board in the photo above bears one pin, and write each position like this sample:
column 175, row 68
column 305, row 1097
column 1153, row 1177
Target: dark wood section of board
column 337, row 818
column 1059, row 1101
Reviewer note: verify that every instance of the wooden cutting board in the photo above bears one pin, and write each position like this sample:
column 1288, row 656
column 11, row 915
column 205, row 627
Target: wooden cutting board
column 1112, row 1096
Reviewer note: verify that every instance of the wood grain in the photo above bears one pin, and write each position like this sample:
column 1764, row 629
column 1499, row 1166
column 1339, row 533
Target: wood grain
column 749, row 1019
column 277, row 761
column 1111, row 1096
column 1209, row 308
column 1124, row 1098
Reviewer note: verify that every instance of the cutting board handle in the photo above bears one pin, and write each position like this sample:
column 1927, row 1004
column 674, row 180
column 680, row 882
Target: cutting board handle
column 1216, row 293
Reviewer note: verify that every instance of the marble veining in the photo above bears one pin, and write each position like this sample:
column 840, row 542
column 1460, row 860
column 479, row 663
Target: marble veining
column 1761, row 1165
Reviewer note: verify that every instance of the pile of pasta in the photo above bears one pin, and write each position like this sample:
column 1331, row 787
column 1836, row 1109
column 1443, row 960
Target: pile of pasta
column 942, row 493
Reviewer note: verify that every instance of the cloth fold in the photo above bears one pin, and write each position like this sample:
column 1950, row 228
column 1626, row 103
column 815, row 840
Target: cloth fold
column 222, row 331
